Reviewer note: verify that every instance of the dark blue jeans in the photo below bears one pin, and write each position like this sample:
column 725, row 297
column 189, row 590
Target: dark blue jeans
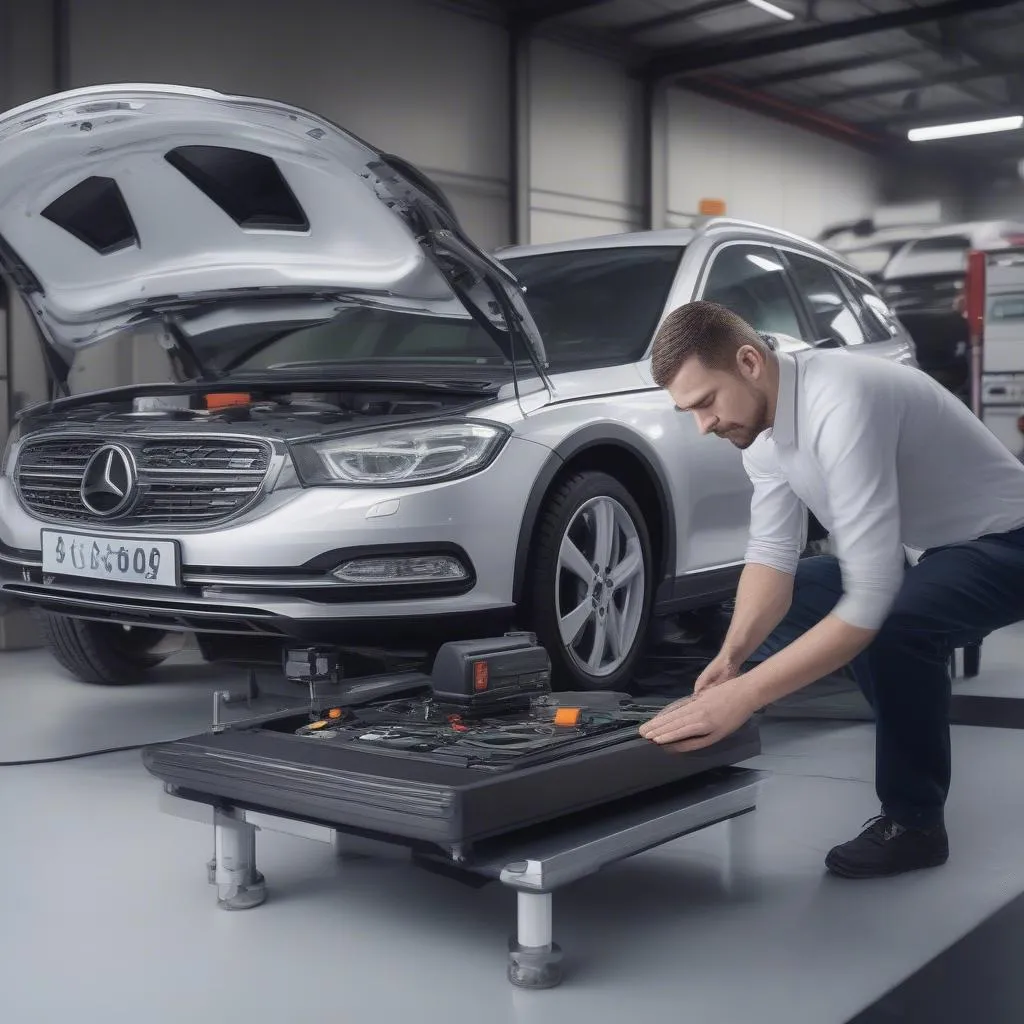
column 954, row 594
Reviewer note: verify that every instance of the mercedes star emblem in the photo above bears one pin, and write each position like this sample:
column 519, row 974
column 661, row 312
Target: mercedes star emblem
column 109, row 481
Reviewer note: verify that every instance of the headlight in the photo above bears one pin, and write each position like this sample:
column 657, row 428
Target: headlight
column 9, row 453
column 401, row 456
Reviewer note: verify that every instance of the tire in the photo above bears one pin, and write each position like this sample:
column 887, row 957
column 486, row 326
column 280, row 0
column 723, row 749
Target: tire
column 554, row 590
column 101, row 653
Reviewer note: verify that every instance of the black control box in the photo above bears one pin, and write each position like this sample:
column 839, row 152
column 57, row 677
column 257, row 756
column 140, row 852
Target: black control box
column 497, row 673
column 304, row 665
column 317, row 668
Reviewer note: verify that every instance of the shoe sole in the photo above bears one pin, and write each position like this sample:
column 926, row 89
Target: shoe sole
column 837, row 867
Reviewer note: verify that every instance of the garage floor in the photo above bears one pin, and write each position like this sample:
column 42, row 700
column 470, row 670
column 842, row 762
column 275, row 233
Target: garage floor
column 106, row 914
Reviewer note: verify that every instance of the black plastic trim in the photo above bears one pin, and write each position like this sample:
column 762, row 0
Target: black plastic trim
column 423, row 632
column 700, row 589
column 327, row 561
column 234, row 577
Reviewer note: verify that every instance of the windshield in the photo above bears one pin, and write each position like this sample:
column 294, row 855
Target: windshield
column 594, row 307
column 597, row 307
column 363, row 334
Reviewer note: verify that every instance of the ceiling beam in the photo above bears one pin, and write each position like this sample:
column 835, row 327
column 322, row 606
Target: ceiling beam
column 635, row 28
column 924, row 81
column 726, row 91
column 533, row 12
column 832, row 67
column 701, row 57
column 952, row 42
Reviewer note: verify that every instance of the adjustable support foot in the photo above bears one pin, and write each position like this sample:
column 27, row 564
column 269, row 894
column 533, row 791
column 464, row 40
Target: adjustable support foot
column 534, row 961
column 233, row 867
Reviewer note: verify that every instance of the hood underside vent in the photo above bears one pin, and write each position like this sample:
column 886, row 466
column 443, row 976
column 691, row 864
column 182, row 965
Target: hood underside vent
column 94, row 211
column 248, row 187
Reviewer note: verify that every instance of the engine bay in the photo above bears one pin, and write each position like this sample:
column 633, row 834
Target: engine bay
column 277, row 410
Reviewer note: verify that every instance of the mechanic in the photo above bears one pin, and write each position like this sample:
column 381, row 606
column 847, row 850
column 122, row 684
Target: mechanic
column 888, row 460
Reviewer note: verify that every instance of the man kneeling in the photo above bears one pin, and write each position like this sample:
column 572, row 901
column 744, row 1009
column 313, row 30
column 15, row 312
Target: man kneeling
column 886, row 459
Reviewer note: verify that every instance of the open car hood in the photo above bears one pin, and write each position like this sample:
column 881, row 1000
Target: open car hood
column 126, row 204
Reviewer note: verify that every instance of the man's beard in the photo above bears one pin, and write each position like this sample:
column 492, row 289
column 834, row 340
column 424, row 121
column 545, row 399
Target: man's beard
column 742, row 436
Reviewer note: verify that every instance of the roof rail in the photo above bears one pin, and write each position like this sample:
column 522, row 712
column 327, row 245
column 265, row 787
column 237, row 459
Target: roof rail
column 704, row 223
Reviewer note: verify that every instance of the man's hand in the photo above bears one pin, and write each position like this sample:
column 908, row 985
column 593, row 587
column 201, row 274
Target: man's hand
column 720, row 670
column 702, row 720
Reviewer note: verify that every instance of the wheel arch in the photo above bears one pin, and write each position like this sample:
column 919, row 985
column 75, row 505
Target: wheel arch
column 623, row 454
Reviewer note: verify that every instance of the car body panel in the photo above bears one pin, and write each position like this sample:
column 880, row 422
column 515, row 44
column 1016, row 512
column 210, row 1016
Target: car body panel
column 268, row 568
column 125, row 203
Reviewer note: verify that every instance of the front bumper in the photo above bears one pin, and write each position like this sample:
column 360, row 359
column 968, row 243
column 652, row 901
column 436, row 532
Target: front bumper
column 269, row 572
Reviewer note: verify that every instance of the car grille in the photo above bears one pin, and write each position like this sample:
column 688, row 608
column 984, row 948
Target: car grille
column 182, row 481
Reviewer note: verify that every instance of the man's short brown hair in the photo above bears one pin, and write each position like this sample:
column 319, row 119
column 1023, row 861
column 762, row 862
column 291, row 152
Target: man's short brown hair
column 706, row 330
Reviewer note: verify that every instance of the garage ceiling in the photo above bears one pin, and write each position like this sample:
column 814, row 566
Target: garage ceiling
column 865, row 71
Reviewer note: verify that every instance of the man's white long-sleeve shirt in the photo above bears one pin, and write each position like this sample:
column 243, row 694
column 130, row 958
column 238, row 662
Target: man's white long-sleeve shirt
column 885, row 458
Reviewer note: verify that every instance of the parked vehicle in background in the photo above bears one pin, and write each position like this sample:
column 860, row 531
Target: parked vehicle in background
column 379, row 436
column 920, row 273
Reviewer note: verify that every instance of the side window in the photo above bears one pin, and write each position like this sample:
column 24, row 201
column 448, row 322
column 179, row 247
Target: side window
column 831, row 309
column 751, row 281
column 880, row 323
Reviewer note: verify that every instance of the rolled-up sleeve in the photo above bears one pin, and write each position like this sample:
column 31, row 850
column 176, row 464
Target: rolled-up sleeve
column 778, row 518
column 855, row 440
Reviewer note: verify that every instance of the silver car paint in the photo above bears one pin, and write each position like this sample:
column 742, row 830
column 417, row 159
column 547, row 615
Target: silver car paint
column 707, row 491
column 371, row 231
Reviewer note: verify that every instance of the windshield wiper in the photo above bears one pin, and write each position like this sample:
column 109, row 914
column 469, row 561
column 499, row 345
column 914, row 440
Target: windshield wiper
column 295, row 371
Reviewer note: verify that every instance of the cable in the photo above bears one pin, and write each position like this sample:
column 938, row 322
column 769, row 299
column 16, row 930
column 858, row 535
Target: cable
column 84, row 754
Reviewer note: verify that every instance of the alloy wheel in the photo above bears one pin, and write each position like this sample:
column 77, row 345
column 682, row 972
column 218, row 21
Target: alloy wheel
column 599, row 586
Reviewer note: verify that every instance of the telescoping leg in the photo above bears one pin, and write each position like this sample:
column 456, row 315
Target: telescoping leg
column 534, row 961
column 233, row 868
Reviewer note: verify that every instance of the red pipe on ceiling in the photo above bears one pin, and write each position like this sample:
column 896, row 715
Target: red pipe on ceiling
column 807, row 116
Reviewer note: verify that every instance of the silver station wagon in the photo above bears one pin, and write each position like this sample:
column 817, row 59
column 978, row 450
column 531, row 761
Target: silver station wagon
column 344, row 423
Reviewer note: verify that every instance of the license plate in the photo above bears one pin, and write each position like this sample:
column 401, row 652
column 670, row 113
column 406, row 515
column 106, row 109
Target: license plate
column 110, row 559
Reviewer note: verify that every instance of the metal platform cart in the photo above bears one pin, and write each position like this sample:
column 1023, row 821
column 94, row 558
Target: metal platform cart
column 533, row 861
column 534, row 866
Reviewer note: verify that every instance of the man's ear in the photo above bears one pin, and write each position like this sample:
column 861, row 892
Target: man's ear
column 749, row 362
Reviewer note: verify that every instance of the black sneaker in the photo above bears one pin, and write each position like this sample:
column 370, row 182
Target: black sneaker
column 887, row 848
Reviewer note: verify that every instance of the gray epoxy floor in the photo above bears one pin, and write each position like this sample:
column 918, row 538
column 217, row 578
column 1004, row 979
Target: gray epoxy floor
column 105, row 913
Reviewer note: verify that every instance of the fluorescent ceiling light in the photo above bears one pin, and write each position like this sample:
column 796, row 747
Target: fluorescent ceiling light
column 954, row 131
column 779, row 12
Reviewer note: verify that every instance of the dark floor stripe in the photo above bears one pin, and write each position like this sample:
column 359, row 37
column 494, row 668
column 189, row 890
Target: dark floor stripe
column 978, row 979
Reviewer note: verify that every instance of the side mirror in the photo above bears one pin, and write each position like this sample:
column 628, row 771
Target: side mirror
column 827, row 343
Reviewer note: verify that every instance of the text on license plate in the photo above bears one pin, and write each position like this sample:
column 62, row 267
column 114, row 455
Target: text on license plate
column 117, row 559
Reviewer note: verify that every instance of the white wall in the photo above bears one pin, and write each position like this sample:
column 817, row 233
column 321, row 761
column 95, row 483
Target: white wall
column 765, row 170
column 996, row 200
column 426, row 82
column 586, row 137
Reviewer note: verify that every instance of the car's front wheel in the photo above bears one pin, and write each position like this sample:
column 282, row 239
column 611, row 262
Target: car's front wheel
column 592, row 582
column 100, row 652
